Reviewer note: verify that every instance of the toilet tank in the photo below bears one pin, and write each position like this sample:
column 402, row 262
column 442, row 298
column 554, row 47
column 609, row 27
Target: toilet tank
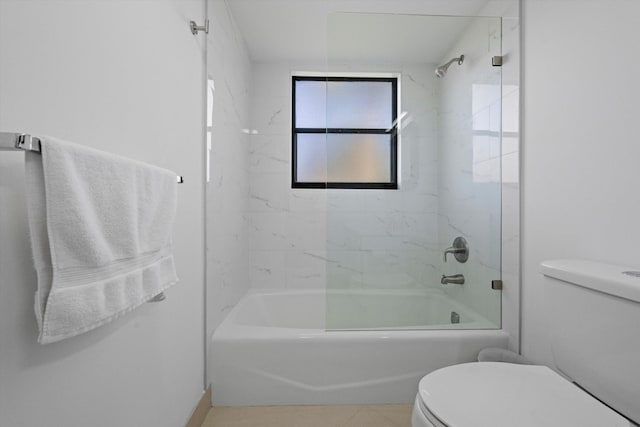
column 594, row 315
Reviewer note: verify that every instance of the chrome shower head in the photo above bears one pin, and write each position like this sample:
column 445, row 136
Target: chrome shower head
column 441, row 71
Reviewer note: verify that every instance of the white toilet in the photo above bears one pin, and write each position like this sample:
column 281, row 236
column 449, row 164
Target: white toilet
column 594, row 326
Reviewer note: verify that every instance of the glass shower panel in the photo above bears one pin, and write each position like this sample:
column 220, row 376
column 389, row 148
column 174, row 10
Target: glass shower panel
column 385, row 247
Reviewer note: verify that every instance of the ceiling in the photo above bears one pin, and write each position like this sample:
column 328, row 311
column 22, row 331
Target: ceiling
column 307, row 31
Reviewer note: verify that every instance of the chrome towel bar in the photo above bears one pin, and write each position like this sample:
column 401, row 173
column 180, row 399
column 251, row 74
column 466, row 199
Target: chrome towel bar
column 10, row 141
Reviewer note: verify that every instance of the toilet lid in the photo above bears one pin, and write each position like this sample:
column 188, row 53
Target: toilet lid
column 491, row 394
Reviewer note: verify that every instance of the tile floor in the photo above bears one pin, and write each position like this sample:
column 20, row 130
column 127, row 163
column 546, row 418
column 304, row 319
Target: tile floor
column 310, row 416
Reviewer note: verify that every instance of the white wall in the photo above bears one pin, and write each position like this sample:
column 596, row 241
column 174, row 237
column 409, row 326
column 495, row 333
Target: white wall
column 229, row 66
column 580, row 160
column 124, row 77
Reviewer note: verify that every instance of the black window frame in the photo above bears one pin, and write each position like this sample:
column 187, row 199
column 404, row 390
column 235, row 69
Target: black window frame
column 392, row 132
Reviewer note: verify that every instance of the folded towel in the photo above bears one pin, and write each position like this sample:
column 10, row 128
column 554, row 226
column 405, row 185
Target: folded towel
column 100, row 230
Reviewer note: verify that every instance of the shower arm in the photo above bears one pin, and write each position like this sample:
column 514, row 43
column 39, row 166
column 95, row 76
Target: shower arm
column 460, row 60
column 441, row 71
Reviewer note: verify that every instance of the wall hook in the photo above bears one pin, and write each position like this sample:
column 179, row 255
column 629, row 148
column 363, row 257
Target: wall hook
column 195, row 27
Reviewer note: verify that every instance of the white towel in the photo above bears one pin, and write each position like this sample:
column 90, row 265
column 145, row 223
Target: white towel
column 100, row 228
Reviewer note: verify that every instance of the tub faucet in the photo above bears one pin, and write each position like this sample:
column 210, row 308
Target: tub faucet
column 457, row 279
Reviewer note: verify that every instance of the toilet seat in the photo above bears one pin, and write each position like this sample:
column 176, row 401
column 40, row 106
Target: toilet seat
column 491, row 394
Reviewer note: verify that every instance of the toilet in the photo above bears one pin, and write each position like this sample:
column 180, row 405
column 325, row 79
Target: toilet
column 594, row 327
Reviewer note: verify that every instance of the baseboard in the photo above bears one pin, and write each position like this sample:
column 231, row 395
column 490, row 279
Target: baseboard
column 201, row 410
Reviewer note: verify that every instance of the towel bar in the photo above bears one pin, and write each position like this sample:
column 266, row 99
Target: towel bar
column 10, row 141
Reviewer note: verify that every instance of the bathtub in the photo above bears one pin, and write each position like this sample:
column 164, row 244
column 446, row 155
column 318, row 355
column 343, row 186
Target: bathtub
column 273, row 348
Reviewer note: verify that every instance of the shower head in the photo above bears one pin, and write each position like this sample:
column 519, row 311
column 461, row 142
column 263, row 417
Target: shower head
column 441, row 71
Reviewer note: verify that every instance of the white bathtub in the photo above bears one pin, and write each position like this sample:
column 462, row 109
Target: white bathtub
column 273, row 349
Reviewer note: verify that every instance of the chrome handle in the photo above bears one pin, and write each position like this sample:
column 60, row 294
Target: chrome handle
column 453, row 250
column 460, row 250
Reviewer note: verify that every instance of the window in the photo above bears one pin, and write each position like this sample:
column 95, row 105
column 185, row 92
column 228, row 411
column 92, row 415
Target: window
column 344, row 133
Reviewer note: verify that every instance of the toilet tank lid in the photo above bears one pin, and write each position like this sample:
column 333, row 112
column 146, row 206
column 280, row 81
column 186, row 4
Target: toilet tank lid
column 606, row 278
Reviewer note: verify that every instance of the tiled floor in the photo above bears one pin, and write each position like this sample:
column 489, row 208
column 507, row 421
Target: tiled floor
column 310, row 416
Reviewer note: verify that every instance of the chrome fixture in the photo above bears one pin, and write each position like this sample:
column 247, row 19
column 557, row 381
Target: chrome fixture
column 441, row 71
column 496, row 61
column 19, row 141
column 10, row 141
column 455, row 317
column 457, row 279
column 460, row 250
column 195, row 27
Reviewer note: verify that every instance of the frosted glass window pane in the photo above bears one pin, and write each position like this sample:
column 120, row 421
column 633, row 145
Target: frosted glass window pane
column 311, row 104
column 340, row 156
column 311, row 157
column 358, row 158
column 354, row 104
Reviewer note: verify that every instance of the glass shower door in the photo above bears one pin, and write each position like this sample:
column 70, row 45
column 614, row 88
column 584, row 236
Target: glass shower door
column 386, row 243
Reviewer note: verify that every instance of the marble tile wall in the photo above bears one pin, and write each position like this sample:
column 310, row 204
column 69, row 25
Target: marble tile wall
column 475, row 203
column 263, row 234
column 300, row 237
column 229, row 72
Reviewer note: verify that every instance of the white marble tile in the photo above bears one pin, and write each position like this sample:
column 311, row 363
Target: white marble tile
column 344, row 200
column 268, row 269
column 271, row 115
column 270, row 153
column 306, row 269
column 267, row 231
column 300, row 238
column 357, row 224
column 307, row 231
column 269, row 192
column 469, row 181
column 271, row 79
column 371, row 238
column 340, row 237
column 344, row 269
column 227, row 241
column 386, row 269
column 381, row 201
column 307, row 200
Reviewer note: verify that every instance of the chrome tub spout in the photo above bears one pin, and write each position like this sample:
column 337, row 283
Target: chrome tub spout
column 457, row 279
